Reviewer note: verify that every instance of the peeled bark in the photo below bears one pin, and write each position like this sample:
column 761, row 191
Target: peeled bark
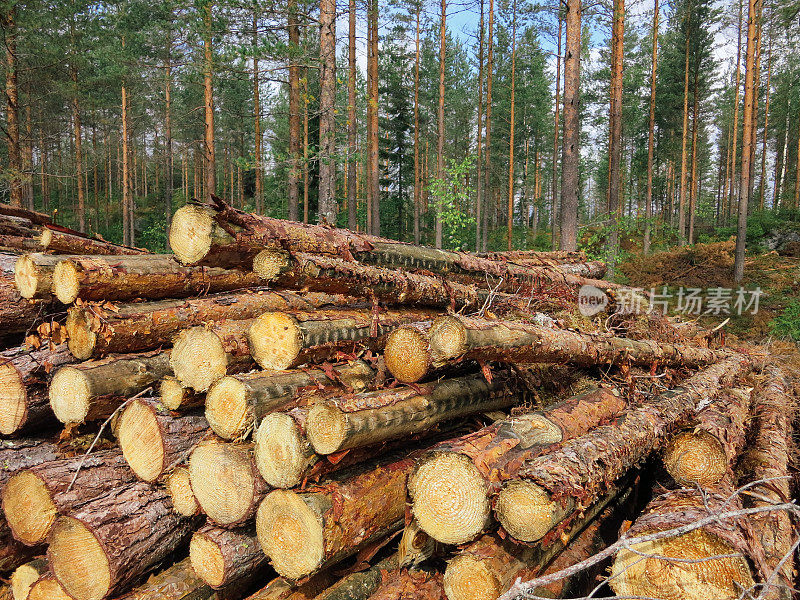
column 452, row 338
column 225, row 481
column 452, row 486
column 154, row 441
column 17, row 314
column 33, row 498
column 66, row 242
column 111, row 541
column 96, row 329
column 33, row 275
column 94, row 389
column 236, row 404
column 179, row 487
column 547, row 488
column 151, row 276
column 223, row 556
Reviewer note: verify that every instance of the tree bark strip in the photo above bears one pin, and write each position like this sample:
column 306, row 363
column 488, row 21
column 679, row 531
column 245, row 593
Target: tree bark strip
column 225, row 556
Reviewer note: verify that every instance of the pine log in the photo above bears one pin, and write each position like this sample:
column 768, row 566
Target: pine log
column 402, row 583
column 97, row 329
column 415, row 545
column 236, row 404
column 95, row 389
column 153, row 440
column 113, row 540
column 282, row 452
column 37, row 218
column 176, row 396
column 547, row 488
column 225, row 481
column 17, row 226
column 179, row 487
column 17, row 314
column 281, row 340
column 6, row 592
column 452, row 486
column 71, row 242
column 451, row 338
column 360, row 585
column 358, row 420
column 558, row 256
column 13, row 553
column 283, row 589
column 223, row 556
column 17, row 243
column 33, row 275
column 24, row 576
column 16, row 455
column 304, row 532
column 48, row 588
column 765, row 466
column 151, row 276
column 712, row 560
column 703, row 455
column 178, row 582
column 34, row 497
column 24, row 374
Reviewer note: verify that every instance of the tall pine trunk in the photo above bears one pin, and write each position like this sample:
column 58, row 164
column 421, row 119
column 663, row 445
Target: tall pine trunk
column 294, row 112
column 684, row 136
column 615, row 131
column 487, row 188
column 570, row 160
column 352, row 128
column 694, row 181
column 556, row 132
column 736, row 112
column 9, row 23
column 168, row 162
column 510, row 223
column 440, row 120
column 127, row 216
column 327, row 112
column 648, row 209
column 479, row 182
column 259, row 183
column 373, row 171
column 208, row 100
column 763, row 184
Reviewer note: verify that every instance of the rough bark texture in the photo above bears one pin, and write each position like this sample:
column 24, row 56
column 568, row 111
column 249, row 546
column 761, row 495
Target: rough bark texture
column 134, row 527
column 283, row 589
column 16, row 455
column 223, row 556
column 97, row 329
column 16, row 211
column 402, row 583
column 33, row 275
column 17, row 314
column 570, row 151
column 361, row 585
column 58, row 241
column 178, row 582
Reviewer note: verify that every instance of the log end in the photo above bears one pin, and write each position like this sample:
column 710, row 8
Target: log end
column 198, row 358
column 46, row 238
column 28, row 507
column 78, row 560
column 47, row 588
column 190, row 233
column 448, row 338
column 657, row 577
column 275, row 340
column 66, row 284
column 227, row 408
column 268, row 264
column 290, row 533
column 449, row 498
column 467, row 577
column 13, row 399
column 406, row 354
column 26, row 276
column 141, row 440
column 70, row 394
column 24, row 576
column 695, row 458
column 180, row 491
column 326, row 427
column 82, row 340
column 173, row 394
column 207, row 559
column 222, row 481
column 526, row 511
column 281, row 451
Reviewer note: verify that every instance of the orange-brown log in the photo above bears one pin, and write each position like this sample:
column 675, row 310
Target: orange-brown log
column 223, row 556
column 360, row 585
column 47, row 588
column 17, row 314
column 402, row 583
column 283, row 589
column 33, row 275
column 179, row 487
column 176, row 396
column 60, row 241
column 37, row 218
column 24, row 576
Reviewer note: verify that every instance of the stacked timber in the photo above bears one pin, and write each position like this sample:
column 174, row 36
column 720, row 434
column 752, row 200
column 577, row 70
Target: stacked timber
column 286, row 411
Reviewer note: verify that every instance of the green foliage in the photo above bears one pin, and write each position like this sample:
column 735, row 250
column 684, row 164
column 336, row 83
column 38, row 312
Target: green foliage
column 787, row 324
column 450, row 194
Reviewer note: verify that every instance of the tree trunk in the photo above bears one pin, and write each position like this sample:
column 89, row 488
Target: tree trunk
column 282, row 589
column 33, row 275
column 66, row 242
column 361, row 585
column 178, row 485
column 479, row 183
column 169, row 161
column 17, row 314
column 556, row 132
column 178, row 582
column 209, row 153
column 294, row 111
column 615, row 199
column 684, row 136
column 224, row 556
column 475, row 465
column 34, row 217
column 109, row 542
column 225, row 481
column 153, row 440
column 34, row 497
column 695, row 183
column 373, row 155
column 127, row 216
column 154, row 276
column 763, row 185
column 259, row 181
column 417, row 173
column 736, row 109
column 9, row 24
column 328, row 208
column 547, row 489
column 47, row 588
column 570, row 160
column 402, row 583
column 352, row 125
column 76, row 123
column 440, row 164
column 510, row 222
column 94, row 389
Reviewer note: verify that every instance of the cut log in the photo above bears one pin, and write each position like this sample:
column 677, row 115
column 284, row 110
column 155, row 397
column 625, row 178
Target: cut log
column 17, row 243
column 703, row 456
column 66, row 242
column 402, row 583
column 236, row 404
column 452, row 486
column 546, row 488
column 151, row 276
column 13, row 553
column 711, row 561
column 48, row 588
column 95, row 329
column 282, row 452
column 180, row 491
column 359, row 420
column 33, row 498
column 176, row 396
column 223, row 556
column 95, row 389
column 303, row 533
column 24, row 576
column 154, row 441
column 113, row 540
column 282, row 589
column 280, row 340
column 178, row 582
column 415, row 545
column 17, row 314
column 33, row 275
column 360, row 585
column 34, row 217
column 16, row 455
column 765, row 463
column 225, row 481
column 453, row 338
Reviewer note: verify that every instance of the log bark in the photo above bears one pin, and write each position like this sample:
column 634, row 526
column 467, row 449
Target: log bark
column 283, row 589
column 282, row 340
column 97, row 329
column 33, row 275
column 154, row 441
column 94, row 389
column 236, row 404
column 151, row 276
column 34, row 217
column 403, row 583
column 547, row 488
column 17, row 243
column 226, row 482
column 13, row 553
column 179, row 487
column 33, row 498
column 361, row 585
column 223, row 556
column 452, row 486
column 47, row 588
column 111, row 541
column 175, row 396
column 17, row 314
column 71, row 242
column 16, row 455
column 454, row 338
column 178, row 582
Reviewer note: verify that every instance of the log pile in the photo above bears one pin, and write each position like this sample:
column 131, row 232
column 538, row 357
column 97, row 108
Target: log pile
column 287, row 411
